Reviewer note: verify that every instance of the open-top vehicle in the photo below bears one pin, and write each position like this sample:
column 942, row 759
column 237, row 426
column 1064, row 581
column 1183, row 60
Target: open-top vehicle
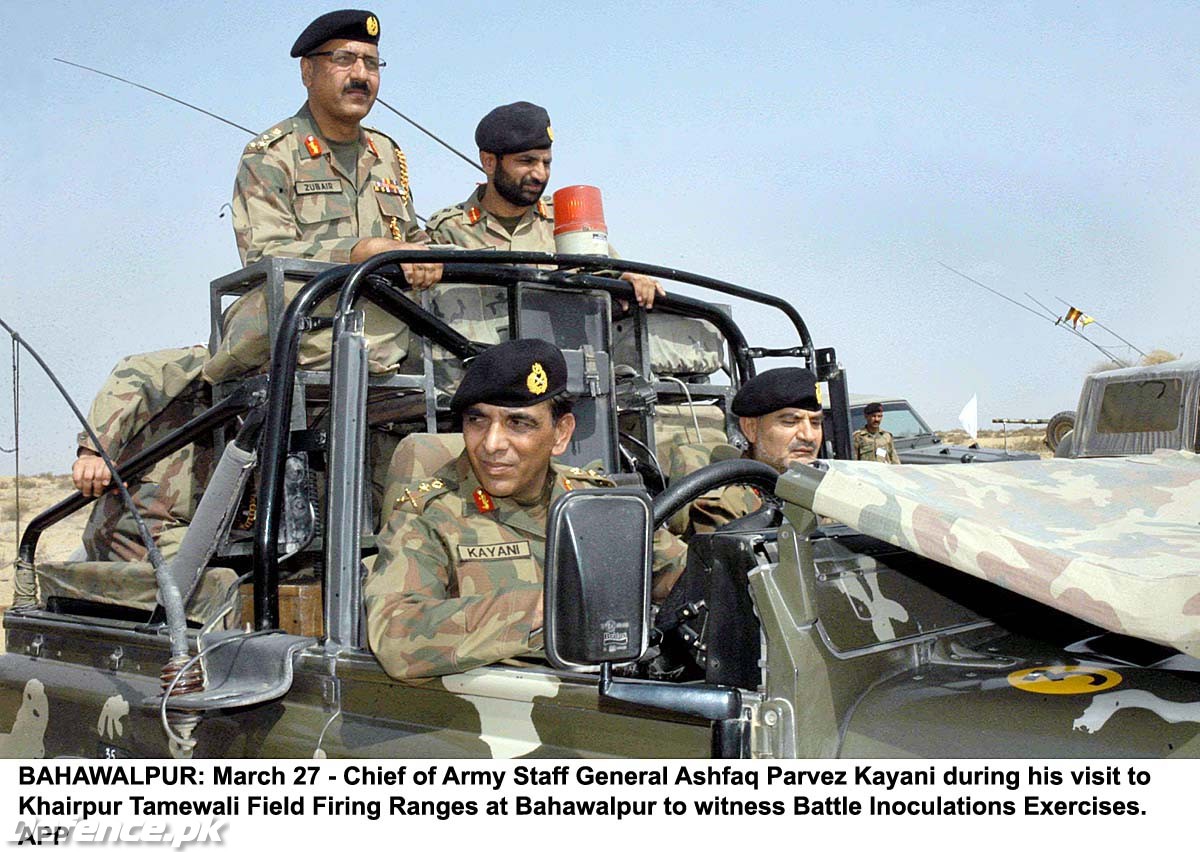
column 789, row 635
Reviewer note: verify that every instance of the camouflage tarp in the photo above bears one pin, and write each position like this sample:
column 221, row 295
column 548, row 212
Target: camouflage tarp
column 128, row 584
column 1113, row 541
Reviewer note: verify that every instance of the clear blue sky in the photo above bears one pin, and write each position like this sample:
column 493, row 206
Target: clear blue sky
column 830, row 153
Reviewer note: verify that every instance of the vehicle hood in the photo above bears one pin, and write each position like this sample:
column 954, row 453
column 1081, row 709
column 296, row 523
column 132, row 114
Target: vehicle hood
column 930, row 453
column 1111, row 541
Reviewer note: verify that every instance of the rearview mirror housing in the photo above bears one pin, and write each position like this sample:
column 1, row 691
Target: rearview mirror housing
column 598, row 564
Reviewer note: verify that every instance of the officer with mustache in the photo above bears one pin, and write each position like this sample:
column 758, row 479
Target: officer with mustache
column 779, row 411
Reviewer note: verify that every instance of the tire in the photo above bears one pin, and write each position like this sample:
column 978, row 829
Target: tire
column 1060, row 424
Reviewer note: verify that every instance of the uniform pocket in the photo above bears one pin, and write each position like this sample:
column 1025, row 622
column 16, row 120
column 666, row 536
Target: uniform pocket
column 321, row 207
column 392, row 205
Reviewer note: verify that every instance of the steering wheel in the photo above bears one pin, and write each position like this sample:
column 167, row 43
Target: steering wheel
column 682, row 619
column 718, row 475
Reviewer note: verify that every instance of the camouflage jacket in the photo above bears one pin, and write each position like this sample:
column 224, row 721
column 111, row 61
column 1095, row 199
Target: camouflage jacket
column 291, row 198
column 457, row 582
column 470, row 225
column 874, row 446
column 481, row 313
column 146, row 397
column 714, row 509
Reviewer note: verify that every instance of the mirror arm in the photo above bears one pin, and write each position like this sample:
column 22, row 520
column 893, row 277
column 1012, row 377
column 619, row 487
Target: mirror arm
column 714, row 703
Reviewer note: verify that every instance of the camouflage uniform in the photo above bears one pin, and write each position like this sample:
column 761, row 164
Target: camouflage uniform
column 874, row 446
column 480, row 313
column 455, row 587
column 713, row 510
column 146, row 397
column 291, row 202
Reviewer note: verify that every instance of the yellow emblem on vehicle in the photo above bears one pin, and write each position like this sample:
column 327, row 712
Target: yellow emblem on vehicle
column 1064, row 680
column 537, row 381
column 372, row 25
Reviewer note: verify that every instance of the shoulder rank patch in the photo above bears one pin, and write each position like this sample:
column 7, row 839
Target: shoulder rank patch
column 265, row 141
column 415, row 498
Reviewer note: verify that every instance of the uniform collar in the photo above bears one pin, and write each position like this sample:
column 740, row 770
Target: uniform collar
column 474, row 212
column 507, row 511
column 305, row 125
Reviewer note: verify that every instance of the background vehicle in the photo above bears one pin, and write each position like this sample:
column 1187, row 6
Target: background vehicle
column 785, row 638
column 1135, row 411
column 915, row 442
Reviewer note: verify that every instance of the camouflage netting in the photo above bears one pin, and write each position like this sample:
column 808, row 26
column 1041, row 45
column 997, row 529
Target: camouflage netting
column 128, row 584
column 1113, row 541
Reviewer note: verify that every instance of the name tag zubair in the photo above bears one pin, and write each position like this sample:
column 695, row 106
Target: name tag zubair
column 313, row 187
column 486, row 552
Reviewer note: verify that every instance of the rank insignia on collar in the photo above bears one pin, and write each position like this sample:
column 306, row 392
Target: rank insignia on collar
column 542, row 209
column 473, row 214
column 567, row 486
column 424, row 486
column 313, row 144
column 437, row 483
column 483, row 500
column 371, row 145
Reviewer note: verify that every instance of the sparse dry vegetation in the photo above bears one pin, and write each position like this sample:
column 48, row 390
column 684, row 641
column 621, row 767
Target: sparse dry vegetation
column 1154, row 356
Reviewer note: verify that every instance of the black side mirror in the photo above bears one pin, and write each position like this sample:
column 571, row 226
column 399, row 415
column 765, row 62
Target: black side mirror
column 598, row 560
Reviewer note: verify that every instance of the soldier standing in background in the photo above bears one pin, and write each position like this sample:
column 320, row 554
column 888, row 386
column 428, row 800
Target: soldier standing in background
column 872, row 443
column 458, row 579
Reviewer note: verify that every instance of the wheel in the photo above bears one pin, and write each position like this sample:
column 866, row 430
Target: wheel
column 1060, row 424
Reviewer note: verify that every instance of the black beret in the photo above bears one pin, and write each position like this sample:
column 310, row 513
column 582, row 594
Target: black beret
column 873, row 407
column 354, row 24
column 783, row 387
column 514, row 374
column 514, row 127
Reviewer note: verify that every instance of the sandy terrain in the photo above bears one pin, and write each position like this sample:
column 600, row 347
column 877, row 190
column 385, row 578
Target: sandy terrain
column 1029, row 440
column 37, row 493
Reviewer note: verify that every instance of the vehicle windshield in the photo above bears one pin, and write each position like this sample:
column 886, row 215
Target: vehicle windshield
column 898, row 418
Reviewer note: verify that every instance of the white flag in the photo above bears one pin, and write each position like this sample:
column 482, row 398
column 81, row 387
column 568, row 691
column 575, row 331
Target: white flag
column 969, row 417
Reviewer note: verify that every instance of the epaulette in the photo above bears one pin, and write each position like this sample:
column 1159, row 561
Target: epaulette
column 582, row 474
column 266, row 140
column 416, row 497
column 378, row 132
column 441, row 216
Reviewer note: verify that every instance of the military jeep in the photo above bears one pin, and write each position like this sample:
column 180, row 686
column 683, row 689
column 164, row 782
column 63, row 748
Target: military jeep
column 1135, row 411
column 916, row 442
column 907, row 631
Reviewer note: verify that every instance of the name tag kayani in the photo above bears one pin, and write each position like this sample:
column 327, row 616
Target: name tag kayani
column 486, row 552
column 312, row 187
